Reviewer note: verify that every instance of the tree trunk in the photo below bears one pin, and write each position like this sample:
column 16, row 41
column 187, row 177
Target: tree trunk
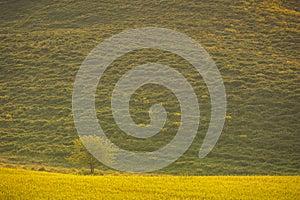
column 92, row 167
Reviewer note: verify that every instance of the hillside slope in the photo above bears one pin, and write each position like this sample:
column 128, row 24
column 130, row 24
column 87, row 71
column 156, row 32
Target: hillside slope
column 255, row 45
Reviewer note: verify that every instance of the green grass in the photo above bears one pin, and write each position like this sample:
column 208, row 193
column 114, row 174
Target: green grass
column 254, row 44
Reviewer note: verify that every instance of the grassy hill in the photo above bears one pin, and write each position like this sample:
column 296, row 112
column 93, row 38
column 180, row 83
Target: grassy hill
column 255, row 45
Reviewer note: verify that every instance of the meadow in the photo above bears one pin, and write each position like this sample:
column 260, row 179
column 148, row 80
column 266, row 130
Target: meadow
column 254, row 43
column 25, row 184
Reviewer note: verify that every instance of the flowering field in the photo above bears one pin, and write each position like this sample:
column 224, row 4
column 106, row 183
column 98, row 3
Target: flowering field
column 24, row 184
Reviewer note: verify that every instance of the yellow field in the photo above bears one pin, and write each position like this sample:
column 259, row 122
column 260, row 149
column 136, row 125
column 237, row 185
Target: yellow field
column 23, row 184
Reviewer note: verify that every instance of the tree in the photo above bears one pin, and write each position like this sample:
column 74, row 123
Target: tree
column 99, row 147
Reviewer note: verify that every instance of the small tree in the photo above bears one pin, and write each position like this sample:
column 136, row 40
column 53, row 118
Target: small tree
column 99, row 147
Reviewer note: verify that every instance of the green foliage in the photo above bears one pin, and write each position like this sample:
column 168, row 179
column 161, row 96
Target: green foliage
column 98, row 146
